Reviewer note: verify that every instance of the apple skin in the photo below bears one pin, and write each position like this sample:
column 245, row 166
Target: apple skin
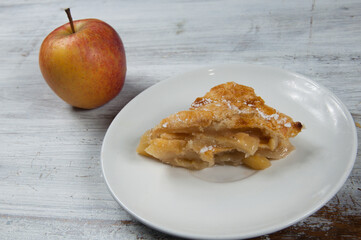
column 86, row 68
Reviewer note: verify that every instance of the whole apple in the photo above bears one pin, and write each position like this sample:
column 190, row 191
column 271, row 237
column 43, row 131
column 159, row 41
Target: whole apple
column 85, row 66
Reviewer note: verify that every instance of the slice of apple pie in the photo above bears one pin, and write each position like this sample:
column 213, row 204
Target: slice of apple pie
column 229, row 125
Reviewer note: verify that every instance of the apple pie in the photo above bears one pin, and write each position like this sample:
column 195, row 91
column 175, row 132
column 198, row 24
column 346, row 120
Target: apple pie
column 228, row 125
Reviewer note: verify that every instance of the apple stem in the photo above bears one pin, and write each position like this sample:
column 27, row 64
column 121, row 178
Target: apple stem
column 70, row 19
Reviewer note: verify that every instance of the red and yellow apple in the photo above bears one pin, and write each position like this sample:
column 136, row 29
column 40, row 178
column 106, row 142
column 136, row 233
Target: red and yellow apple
column 85, row 66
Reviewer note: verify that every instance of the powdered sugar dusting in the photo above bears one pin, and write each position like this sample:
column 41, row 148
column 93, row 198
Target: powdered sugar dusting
column 204, row 101
column 178, row 118
column 251, row 108
column 205, row 149
column 288, row 125
column 282, row 120
column 165, row 125
column 275, row 116
column 231, row 106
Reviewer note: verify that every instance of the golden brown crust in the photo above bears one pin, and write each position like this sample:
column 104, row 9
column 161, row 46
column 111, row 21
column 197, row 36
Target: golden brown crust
column 242, row 108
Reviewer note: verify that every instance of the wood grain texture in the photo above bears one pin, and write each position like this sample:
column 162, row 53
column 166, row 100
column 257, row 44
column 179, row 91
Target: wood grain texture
column 50, row 177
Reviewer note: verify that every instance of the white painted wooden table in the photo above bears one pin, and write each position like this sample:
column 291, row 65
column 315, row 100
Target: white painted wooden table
column 51, row 185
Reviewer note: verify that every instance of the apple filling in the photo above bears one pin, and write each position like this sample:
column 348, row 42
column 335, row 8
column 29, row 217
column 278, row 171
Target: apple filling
column 198, row 150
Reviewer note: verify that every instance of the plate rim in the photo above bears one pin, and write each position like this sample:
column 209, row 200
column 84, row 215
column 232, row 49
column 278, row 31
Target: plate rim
column 274, row 228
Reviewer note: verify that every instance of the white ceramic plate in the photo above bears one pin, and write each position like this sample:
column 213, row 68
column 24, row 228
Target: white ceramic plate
column 228, row 202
